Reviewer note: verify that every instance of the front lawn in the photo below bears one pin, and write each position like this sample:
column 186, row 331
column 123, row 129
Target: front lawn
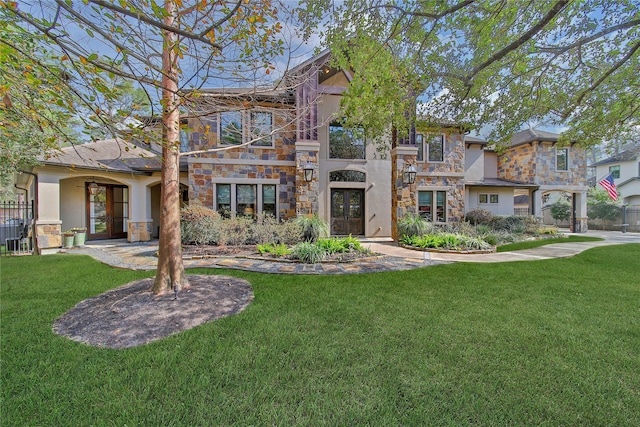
column 552, row 342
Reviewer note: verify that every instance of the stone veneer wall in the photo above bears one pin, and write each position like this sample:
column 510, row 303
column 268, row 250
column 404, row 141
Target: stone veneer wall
column 518, row 164
column 307, row 192
column 455, row 193
column 254, row 162
column 202, row 187
column 49, row 236
column 448, row 174
column 404, row 198
column 139, row 231
column 535, row 163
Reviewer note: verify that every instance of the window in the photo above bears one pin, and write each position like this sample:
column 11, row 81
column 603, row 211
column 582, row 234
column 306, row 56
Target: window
column 269, row 200
column 346, row 143
column 615, row 171
column 425, row 204
column 261, row 128
column 246, row 199
column 231, row 128
column 436, row 149
column 433, row 150
column 184, row 141
column 562, row 159
column 487, row 198
column 426, row 208
column 420, row 145
column 347, row 176
column 223, row 200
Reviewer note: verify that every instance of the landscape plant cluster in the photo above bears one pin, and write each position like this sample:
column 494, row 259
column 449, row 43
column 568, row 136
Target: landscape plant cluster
column 303, row 239
column 480, row 231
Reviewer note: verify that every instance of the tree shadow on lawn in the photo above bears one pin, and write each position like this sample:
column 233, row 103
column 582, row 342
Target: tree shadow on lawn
column 131, row 315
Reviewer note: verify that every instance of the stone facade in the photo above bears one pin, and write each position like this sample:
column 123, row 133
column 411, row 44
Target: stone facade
column 535, row 163
column 49, row 235
column 403, row 196
column 139, row 231
column 274, row 164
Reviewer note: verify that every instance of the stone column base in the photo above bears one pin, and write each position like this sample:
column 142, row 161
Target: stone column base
column 48, row 235
column 580, row 226
column 139, row 231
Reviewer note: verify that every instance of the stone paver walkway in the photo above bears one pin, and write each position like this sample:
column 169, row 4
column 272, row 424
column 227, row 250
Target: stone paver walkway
column 141, row 256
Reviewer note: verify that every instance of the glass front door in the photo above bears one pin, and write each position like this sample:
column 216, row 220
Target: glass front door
column 347, row 212
column 107, row 212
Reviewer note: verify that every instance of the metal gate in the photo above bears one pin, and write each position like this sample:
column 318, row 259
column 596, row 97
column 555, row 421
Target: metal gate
column 16, row 228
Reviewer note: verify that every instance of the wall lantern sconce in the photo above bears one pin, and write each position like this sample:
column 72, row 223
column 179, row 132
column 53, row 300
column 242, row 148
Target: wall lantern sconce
column 409, row 174
column 93, row 188
column 308, row 172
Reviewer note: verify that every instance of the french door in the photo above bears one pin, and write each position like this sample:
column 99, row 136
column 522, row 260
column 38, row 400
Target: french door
column 347, row 212
column 107, row 211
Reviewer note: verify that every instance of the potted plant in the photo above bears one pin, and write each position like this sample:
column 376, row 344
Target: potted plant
column 80, row 235
column 68, row 238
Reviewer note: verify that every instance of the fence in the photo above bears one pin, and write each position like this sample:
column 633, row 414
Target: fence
column 632, row 220
column 16, row 228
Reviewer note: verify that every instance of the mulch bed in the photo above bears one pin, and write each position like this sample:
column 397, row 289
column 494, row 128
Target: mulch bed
column 131, row 315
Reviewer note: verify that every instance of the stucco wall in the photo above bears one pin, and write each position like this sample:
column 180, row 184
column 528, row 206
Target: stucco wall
column 505, row 200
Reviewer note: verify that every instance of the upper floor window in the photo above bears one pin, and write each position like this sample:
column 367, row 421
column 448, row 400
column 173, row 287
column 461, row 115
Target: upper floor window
column 562, row 159
column 346, row 143
column 433, row 150
column 237, row 127
column 262, row 128
column 231, row 128
column 615, row 171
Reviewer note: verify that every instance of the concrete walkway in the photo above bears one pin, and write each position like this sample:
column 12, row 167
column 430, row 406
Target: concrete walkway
column 141, row 256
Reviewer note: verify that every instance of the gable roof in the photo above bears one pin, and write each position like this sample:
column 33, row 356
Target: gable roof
column 114, row 155
column 623, row 156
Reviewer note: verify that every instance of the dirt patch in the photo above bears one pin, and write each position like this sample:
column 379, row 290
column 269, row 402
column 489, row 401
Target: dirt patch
column 131, row 315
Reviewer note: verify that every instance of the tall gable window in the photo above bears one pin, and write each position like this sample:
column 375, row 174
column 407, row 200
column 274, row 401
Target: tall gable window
column 562, row 159
column 231, row 128
column 262, row 128
column 346, row 143
column 432, row 150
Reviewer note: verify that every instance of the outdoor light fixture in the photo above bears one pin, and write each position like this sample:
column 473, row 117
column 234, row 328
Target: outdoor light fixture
column 308, row 172
column 409, row 174
column 93, row 188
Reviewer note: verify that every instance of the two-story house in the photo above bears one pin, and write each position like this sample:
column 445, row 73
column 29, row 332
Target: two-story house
column 625, row 169
column 286, row 153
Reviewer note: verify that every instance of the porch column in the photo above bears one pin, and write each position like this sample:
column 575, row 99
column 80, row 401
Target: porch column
column 307, row 192
column 536, row 200
column 140, row 224
column 403, row 196
column 48, row 229
column 580, row 225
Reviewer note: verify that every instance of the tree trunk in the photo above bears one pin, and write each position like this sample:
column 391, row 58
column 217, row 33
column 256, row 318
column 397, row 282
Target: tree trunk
column 170, row 266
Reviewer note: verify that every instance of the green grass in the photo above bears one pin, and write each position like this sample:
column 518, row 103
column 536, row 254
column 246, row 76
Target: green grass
column 552, row 342
column 529, row 244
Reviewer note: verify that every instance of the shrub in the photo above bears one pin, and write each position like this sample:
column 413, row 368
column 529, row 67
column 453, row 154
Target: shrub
column 236, row 231
column 478, row 216
column 313, row 228
column 308, row 252
column 265, row 230
column 289, row 232
column 413, row 225
column 199, row 225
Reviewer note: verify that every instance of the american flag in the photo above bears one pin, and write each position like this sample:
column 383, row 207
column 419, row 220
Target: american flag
column 609, row 185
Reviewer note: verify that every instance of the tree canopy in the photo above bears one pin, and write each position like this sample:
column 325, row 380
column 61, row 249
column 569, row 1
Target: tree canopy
column 500, row 65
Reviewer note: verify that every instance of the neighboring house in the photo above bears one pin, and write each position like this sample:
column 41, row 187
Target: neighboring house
column 297, row 160
column 625, row 168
